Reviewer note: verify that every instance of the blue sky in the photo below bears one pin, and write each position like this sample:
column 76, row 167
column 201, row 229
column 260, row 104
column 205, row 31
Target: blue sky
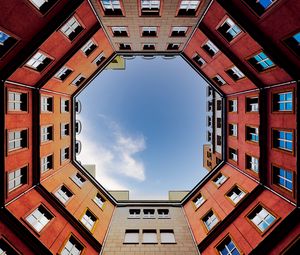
column 144, row 127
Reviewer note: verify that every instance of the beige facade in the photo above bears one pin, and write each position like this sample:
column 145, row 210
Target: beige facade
column 159, row 225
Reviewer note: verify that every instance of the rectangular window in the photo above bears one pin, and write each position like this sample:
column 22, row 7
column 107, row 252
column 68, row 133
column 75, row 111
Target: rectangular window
column 17, row 101
column 43, row 5
column 235, row 73
column 260, row 6
column 46, row 163
column 119, row 31
column 46, row 133
column 64, row 105
column 200, row 61
column 219, row 80
column 235, row 194
column 17, row 140
column 134, row 213
column 219, row 140
column 99, row 200
column 149, row 214
column 99, row 59
column 208, row 136
column 261, row 218
column 261, row 62
column 64, row 129
column 229, row 30
column 149, row 31
column 283, row 102
column 111, row 7
column 89, row 220
column 219, row 105
column 149, row 236
column 252, row 163
column 131, row 236
column 163, row 213
column 6, row 43
column 72, row 247
column 233, row 154
column 233, row 130
column 125, row 46
column 252, row 104
column 173, row 46
column 252, row 134
column 7, row 249
column 17, row 178
column 232, row 105
column 46, row 104
column 199, row 200
column 208, row 121
column 64, row 154
column 283, row 140
column 283, row 178
column 39, row 218
column 63, row 73
column 78, row 179
column 228, row 247
column 150, row 7
column 78, row 80
column 63, row 194
column 179, row 31
column 89, row 47
column 188, row 8
column 38, row 62
column 72, row 28
column 210, row 220
column 219, row 179
column 148, row 46
column 167, row 236
column 292, row 42
column 210, row 48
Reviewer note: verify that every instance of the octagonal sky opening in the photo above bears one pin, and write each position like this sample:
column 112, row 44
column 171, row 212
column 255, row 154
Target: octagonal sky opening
column 144, row 127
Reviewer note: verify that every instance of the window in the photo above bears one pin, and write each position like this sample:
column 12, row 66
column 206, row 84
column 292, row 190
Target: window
column 72, row 28
column 260, row 6
column 210, row 48
column 208, row 121
column 150, row 7
column 78, row 80
column 148, row 46
column 236, row 194
column 233, row 130
column 229, row 30
column 188, row 8
column 219, row 140
column 72, row 247
column 46, row 133
column 208, row 136
column 63, row 73
column 149, row 236
column 173, row 46
column 233, row 154
column 209, row 105
column 89, row 220
column 252, row 163
column 179, row 31
column 125, row 46
column 63, row 194
column 200, row 61
column 17, row 101
column 163, row 213
column 261, row 62
column 64, row 154
column 6, row 248
column 99, row 59
column 64, row 105
column 134, row 213
column 43, row 5
column 235, row 73
column 167, row 236
column 99, row 200
column 111, row 7
column 210, row 220
column 89, row 47
column 6, row 43
column 17, row 178
column 46, row 163
column 252, row 104
column 283, row 102
column 261, row 218
column 228, row 247
column 17, row 140
column 148, row 213
column 219, row 105
column 78, row 179
column 119, row 31
column 283, row 140
column 39, row 218
column 64, row 129
column 38, row 62
column 219, row 179
column 219, row 80
column 131, row 236
column 149, row 31
column 233, row 106
column 252, row 134
column 292, row 42
column 46, row 104
column 283, row 178
column 199, row 200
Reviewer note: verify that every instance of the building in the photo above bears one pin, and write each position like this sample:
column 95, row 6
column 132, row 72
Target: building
column 51, row 50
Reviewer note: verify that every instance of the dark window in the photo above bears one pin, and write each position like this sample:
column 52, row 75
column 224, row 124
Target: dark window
column 119, row 31
column 252, row 104
column 173, row 46
column 293, row 43
column 6, row 248
column 43, row 5
column 233, row 154
column 149, row 31
column 200, row 61
column 229, row 30
column 125, row 46
column 63, row 73
column 219, row 122
column 150, row 7
column 219, row 80
column 6, row 43
column 72, row 28
column 148, row 47
column 283, row 102
column 252, row 134
column 235, row 73
column 228, row 247
column 179, row 31
column 210, row 48
column 219, row 140
column 219, row 105
column 78, row 80
column 261, row 62
column 260, row 6
column 89, row 47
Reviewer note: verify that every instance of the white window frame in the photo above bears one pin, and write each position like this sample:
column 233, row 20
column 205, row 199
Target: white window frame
column 232, row 27
column 111, row 5
column 212, row 47
column 37, row 219
column 180, row 29
column 199, row 200
column 45, row 103
column 99, row 201
column 189, row 5
column 87, row 221
column 70, row 26
column 45, row 132
column 62, row 195
column 89, row 44
column 72, row 248
column 210, row 220
column 236, row 197
column 78, row 180
column 36, row 60
column 62, row 71
column 237, row 72
column 15, row 100
column 16, row 141
column 220, row 179
column 45, row 161
column 234, row 129
column 15, row 178
column 254, row 164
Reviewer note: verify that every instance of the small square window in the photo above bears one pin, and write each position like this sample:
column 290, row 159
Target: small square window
column 149, row 236
column 43, row 5
column 233, row 130
column 199, row 200
column 260, row 6
column 72, row 28
column 199, row 60
column 46, row 133
column 63, row 194
column 167, row 236
column 149, row 46
column 46, row 163
column 235, row 73
column 233, row 154
column 210, row 48
column 283, row 140
column 89, row 220
column 179, row 31
column 229, row 30
column 89, row 47
column 17, row 101
column 236, row 194
column 149, row 31
column 173, row 46
column 163, row 213
column 39, row 218
column 134, row 214
column 150, row 7
column 261, row 62
column 6, row 43
column 252, row 134
column 78, row 179
column 99, row 200
column 63, row 73
column 149, row 214
column 17, row 178
column 232, row 105
column 210, row 220
column 228, row 247
column 78, row 80
column 188, row 8
column 125, row 46
column 292, row 42
column 17, row 140
column 131, row 236
column 119, row 31
column 252, row 104
column 219, row 179
column 72, row 247
column 283, row 102
column 252, row 163
column 219, row 80
column 46, row 104
column 261, row 218
column 99, row 59
column 38, row 62
column 283, row 178
column 64, row 154
column 111, row 7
